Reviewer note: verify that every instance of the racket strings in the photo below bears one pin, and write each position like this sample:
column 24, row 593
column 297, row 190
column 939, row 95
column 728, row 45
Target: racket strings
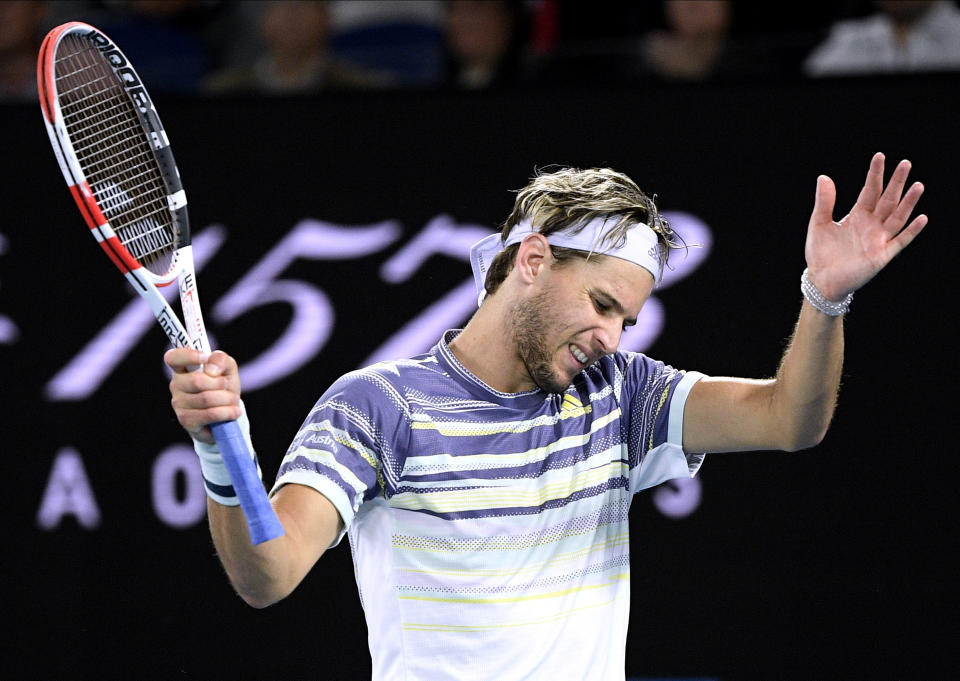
column 114, row 153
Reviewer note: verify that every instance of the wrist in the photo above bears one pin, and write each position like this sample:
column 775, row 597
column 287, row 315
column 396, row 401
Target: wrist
column 816, row 298
column 216, row 479
column 822, row 284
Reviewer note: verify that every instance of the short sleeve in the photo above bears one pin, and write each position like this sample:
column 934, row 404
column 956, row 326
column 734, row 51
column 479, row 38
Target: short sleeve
column 653, row 397
column 338, row 449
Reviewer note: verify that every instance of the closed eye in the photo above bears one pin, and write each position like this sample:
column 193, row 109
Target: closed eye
column 606, row 307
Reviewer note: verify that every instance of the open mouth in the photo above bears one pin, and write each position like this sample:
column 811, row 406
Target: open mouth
column 578, row 355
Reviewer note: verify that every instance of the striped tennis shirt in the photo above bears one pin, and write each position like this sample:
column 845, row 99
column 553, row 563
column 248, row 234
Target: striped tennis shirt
column 489, row 530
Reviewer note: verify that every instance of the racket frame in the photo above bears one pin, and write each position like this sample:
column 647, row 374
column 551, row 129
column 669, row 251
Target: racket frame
column 262, row 521
column 192, row 332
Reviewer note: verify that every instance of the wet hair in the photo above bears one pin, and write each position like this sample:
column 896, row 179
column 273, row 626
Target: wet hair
column 569, row 198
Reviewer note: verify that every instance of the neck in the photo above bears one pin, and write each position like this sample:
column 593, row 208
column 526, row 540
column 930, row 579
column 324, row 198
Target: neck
column 486, row 348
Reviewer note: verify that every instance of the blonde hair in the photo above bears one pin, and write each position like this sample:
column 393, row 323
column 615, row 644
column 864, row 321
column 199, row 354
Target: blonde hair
column 569, row 198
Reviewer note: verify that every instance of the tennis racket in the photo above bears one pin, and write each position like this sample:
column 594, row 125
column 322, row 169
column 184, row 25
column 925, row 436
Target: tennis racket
column 116, row 159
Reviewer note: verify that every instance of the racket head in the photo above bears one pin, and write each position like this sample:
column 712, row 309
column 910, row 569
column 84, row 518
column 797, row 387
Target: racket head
column 113, row 151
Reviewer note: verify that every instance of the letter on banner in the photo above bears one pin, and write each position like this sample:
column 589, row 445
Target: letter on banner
column 171, row 509
column 68, row 492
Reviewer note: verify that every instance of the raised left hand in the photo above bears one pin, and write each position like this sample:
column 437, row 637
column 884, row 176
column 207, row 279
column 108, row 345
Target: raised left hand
column 843, row 256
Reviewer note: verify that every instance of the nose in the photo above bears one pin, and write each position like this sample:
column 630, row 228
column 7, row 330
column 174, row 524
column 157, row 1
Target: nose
column 607, row 336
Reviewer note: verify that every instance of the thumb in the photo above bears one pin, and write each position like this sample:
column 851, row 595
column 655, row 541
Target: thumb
column 219, row 363
column 824, row 201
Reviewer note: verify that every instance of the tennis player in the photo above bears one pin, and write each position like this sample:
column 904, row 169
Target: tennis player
column 484, row 486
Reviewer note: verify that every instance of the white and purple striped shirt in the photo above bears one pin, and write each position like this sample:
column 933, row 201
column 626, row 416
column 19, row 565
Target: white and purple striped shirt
column 489, row 530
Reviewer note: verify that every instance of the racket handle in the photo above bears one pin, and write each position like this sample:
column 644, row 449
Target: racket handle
column 262, row 521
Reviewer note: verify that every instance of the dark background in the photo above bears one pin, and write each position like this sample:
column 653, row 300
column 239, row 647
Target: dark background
column 836, row 562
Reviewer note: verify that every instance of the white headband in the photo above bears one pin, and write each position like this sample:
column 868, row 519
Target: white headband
column 641, row 246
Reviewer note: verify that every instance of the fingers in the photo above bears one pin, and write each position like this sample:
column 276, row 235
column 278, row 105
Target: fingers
column 904, row 208
column 182, row 360
column 890, row 198
column 825, row 199
column 200, row 398
column 903, row 239
column 194, row 382
column 873, row 187
column 219, row 373
column 197, row 408
column 187, row 360
column 194, row 411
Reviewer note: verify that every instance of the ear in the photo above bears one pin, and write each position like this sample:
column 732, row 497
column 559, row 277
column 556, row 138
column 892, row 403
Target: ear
column 532, row 257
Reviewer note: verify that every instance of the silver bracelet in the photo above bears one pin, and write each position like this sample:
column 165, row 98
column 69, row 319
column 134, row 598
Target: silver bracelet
column 812, row 293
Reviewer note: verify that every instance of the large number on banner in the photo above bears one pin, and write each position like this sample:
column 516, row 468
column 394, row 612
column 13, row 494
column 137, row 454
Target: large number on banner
column 81, row 377
column 312, row 319
column 444, row 236
column 312, row 314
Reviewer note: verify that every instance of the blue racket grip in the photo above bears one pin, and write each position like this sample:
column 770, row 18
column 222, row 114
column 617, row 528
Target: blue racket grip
column 262, row 521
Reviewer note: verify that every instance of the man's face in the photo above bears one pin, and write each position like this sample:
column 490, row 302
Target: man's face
column 575, row 315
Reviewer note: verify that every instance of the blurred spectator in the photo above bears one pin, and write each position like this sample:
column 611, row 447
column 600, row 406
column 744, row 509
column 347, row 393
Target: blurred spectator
column 164, row 39
column 772, row 39
column 402, row 39
column 20, row 36
column 295, row 57
column 691, row 46
column 669, row 40
column 484, row 43
column 581, row 43
column 901, row 36
column 722, row 40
